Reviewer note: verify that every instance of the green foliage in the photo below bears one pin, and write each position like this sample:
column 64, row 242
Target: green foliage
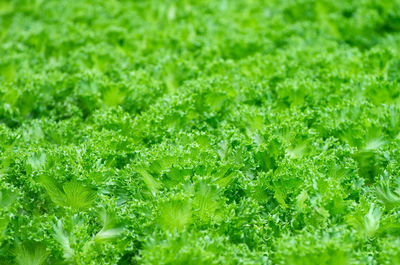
column 30, row 254
column 71, row 194
column 314, row 248
column 389, row 198
column 175, row 214
column 199, row 132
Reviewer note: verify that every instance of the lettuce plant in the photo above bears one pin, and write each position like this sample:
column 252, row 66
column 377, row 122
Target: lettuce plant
column 199, row 132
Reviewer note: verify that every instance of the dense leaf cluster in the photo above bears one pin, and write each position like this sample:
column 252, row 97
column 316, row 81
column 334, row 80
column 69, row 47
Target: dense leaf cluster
column 199, row 132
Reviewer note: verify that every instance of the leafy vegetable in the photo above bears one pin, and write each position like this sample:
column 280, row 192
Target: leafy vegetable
column 199, row 132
